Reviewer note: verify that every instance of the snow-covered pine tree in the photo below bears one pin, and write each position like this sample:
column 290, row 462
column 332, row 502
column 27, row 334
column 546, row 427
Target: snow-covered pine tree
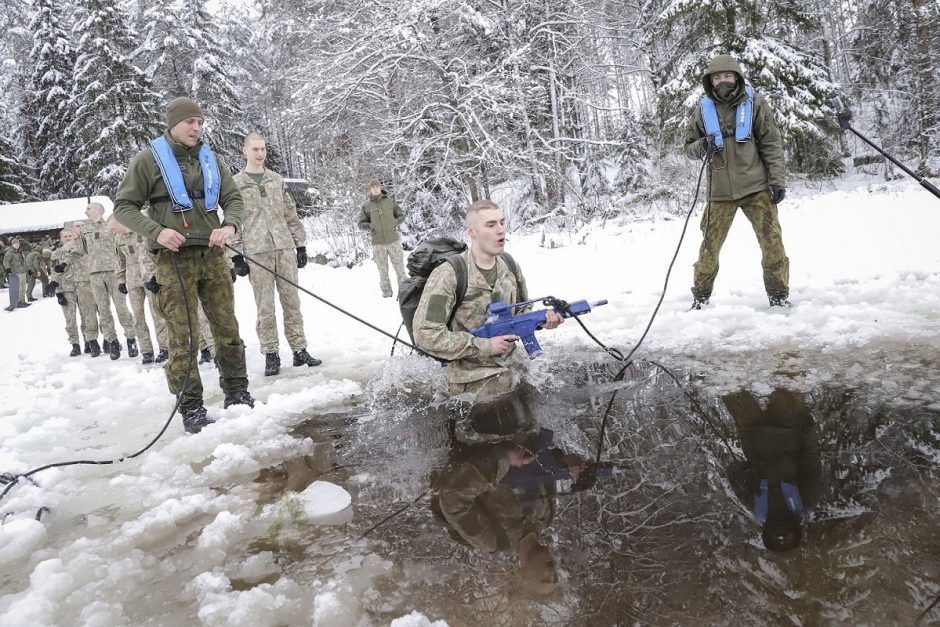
column 14, row 176
column 775, row 42
column 48, row 106
column 116, row 112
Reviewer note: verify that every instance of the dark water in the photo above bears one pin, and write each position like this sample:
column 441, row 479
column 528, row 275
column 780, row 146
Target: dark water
column 659, row 538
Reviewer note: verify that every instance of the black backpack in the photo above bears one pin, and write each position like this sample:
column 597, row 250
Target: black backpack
column 426, row 256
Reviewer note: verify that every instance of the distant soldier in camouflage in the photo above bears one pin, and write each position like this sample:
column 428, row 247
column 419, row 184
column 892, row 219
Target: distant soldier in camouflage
column 15, row 268
column 63, row 286
column 381, row 215
column 746, row 170
column 484, row 367
column 131, row 283
column 71, row 257
column 36, row 270
column 101, row 250
column 273, row 235
column 185, row 184
column 3, row 250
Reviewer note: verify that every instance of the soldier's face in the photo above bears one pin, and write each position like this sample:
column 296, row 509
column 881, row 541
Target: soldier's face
column 15, row 244
column 188, row 131
column 256, row 152
column 487, row 231
column 66, row 237
column 94, row 212
column 723, row 77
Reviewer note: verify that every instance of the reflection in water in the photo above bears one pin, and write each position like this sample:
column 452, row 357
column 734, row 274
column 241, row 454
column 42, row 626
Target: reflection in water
column 779, row 477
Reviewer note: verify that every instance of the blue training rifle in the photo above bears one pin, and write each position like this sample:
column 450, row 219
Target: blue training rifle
column 501, row 321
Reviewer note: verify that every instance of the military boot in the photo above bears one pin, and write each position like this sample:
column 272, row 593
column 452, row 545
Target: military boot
column 303, row 358
column 87, row 348
column 238, row 398
column 147, row 358
column 272, row 364
column 95, row 349
column 132, row 350
column 195, row 418
column 698, row 302
column 76, row 350
column 115, row 349
column 106, row 346
column 778, row 301
column 162, row 356
column 205, row 356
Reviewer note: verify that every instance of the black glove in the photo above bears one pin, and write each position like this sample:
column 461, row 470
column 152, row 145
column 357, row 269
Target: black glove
column 122, row 288
column 708, row 144
column 241, row 266
column 777, row 193
column 8, row 271
column 53, row 286
column 29, row 273
column 234, row 276
column 61, row 298
column 152, row 285
column 59, row 267
column 301, row 256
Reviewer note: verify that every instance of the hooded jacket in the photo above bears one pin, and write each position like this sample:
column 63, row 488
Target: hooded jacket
column 382, row 215
column 742, row 168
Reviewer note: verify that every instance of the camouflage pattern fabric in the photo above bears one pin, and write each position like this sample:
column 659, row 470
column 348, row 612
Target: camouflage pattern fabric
column 270, row 222
column 70, row 312
column 66, row 282
column 100, row 247
column 762, row 213
column 87, row 309
column 66, row 278
column 284, row 262
column 128, row 272
column 381, row 253
column 470, row 360
column 105, row 291
column 206, row 280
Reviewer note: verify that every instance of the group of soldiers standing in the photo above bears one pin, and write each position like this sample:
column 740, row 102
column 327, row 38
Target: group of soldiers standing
column 23, row 264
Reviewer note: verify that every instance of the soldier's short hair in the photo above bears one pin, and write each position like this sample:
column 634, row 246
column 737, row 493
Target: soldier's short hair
column 481, row 205
column 250, row 137
column 97, row 205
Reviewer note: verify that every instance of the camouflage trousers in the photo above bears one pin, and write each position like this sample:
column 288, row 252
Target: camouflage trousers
column 137, row 295
column 381, row 253
column 761, row 211
column 87, row 310
column 70, row 311
column 203, row 333
column 487, row 388
column 284, row 262
column 104, row 287
column 207, row 281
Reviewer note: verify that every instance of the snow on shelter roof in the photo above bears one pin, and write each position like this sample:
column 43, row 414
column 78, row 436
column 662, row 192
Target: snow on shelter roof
column 28, row 217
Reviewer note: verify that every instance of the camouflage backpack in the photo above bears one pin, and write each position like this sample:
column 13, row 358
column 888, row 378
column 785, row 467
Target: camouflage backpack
column 426, row 256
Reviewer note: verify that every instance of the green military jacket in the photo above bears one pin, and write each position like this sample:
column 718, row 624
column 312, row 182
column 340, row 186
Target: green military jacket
column 100, row 247
column 271, row 221
column 15, row 260
column 744, row 168
column 470, row 356
column 382, row 215
column 34, row 262
column 143, row 184
column 66, row 278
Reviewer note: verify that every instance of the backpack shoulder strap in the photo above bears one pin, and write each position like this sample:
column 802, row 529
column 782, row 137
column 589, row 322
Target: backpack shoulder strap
column 460, row 269
column 514, row 268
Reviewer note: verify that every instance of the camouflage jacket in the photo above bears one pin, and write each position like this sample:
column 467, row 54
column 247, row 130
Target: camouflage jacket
column 34, row 263
column 129, row 269
column 742, row 168
column 66, row 278
column 74, row 252
column 100, row 247
column 270, row 221
column 143, row 184
column 470, row 356
column 381, row 215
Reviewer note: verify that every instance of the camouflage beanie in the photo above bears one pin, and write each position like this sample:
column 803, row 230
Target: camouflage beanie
column 181, row 108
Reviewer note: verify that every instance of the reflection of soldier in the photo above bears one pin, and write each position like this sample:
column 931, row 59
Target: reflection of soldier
column 272, row 233
column 780, row 478
column 499, row 497
column 102, row 255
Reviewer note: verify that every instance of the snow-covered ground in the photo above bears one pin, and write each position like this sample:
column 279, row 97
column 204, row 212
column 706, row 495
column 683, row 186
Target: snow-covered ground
column 156, row 538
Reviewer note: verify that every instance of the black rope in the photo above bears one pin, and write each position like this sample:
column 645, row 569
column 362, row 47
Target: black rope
column 13, row 480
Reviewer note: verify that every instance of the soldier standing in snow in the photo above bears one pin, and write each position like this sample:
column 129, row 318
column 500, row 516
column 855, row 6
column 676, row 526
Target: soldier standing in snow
column 102, row 254
column 185, row 184
column 63, row 286
column 14, row 266
column 381, row 215
column 72, row 258
column 272, row 234
column 746, row 170
column 484, row 367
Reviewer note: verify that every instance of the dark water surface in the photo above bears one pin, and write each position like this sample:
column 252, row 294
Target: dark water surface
column 660, row 537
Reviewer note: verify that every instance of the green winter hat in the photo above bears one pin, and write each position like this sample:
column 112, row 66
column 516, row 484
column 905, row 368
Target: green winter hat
column 181, row 108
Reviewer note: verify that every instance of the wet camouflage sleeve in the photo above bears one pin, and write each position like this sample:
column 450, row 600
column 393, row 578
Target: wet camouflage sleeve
column 430, row 322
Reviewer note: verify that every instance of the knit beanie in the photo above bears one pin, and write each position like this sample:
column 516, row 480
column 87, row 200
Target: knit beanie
column 181, row 108
column 375, row 183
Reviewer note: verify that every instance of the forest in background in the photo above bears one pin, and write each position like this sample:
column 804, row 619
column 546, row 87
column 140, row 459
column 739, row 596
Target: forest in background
column 577, row 106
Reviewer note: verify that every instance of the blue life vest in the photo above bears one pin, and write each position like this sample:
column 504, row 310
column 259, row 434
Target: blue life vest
column 743, row 114
column 173, row 176
column 791, row 496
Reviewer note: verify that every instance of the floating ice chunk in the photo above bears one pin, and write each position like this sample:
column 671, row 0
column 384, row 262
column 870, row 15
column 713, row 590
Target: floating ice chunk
column 416, row 619
column 322, row 498
column 19, row 537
